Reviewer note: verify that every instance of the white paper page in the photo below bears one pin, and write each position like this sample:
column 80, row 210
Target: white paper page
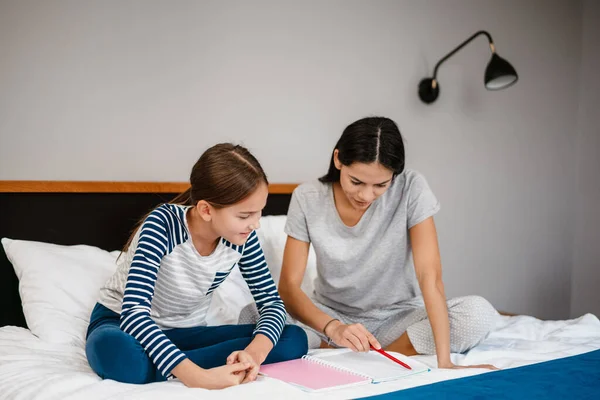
column 375, row 365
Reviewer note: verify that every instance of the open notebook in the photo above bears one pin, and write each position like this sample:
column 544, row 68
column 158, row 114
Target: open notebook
column 341, row 369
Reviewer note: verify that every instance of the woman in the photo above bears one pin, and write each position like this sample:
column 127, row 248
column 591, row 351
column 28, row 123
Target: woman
column 367, row 219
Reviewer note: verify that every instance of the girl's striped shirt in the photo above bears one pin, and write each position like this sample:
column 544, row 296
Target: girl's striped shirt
column 162, row 282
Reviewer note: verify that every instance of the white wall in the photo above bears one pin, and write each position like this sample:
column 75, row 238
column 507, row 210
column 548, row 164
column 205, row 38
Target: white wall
column 136, row 90
column 586, row 266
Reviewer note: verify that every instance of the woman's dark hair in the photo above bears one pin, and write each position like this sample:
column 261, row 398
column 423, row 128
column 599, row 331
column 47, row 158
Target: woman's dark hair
column 368, row 140
column 223, row 175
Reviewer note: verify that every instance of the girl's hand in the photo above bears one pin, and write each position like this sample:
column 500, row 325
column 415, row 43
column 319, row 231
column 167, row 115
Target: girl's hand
column 215, row 378
column 353, row 336
column 245, row 358
column 224, row 376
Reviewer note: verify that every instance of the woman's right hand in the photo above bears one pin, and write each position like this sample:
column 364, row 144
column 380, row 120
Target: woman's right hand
column 215, row 378
column 353, row 336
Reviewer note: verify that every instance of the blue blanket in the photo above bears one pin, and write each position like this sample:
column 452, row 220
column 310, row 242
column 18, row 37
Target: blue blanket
column 570, row 378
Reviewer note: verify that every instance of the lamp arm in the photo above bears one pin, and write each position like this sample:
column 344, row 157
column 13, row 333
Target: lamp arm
column 463, row 44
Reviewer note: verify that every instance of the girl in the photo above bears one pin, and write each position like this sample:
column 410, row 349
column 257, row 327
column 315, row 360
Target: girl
column 150, row 321
column 368, row 218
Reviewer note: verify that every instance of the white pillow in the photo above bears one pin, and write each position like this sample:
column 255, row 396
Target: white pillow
column 59, row 286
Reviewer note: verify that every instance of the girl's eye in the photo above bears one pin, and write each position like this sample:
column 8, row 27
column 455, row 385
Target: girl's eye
column 382, row 185
column 355, row 183
column 244, row 217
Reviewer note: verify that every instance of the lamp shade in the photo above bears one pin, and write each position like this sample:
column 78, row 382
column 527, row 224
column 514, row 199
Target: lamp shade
column 499, row 74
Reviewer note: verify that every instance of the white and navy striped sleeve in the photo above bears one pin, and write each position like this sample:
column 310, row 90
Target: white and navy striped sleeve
column 258, row 277
column 160, row 233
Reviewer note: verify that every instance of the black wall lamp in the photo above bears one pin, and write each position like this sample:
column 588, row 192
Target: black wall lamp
column 499, row 74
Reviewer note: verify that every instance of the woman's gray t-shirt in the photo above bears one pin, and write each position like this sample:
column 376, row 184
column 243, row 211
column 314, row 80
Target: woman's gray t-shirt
column 367, row 267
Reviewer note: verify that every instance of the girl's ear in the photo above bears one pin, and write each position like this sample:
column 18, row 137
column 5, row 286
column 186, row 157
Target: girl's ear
column 204, row 210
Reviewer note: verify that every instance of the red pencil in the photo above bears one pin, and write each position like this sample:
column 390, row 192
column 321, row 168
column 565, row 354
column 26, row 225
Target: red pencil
column 383, row 353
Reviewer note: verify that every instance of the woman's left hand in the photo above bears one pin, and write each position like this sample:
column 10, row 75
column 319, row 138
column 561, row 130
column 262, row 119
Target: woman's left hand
column 454, row 366
column 245, row 357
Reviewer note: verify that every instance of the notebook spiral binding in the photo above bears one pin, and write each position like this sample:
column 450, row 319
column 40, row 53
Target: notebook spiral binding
column 334, row 366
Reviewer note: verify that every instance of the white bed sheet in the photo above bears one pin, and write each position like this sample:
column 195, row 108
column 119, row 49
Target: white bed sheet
column 33, row 369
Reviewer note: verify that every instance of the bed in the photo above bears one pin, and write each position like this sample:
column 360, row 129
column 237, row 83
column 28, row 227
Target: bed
column 41, row 333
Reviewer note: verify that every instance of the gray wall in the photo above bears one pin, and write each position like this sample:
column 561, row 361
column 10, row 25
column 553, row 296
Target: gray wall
column 136, row 90
column 586, row 266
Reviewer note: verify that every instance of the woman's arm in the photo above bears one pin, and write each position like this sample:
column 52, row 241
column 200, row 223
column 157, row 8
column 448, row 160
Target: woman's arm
column 428, row 267
column 298, row 304
column 301, row 307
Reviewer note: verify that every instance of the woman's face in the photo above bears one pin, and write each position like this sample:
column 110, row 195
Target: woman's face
column 363, row 183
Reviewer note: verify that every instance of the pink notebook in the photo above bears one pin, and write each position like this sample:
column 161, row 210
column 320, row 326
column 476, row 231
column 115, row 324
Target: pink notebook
column 310, row 374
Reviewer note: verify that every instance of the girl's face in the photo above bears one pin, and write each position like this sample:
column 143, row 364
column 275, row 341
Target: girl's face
column 363, row 183
column 236, row 222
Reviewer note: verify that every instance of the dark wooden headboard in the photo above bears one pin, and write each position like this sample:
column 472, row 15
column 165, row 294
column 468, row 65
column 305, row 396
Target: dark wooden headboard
column 99, row 214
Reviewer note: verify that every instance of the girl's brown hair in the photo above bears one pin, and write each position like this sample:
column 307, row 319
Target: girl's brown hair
column 224, row 174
